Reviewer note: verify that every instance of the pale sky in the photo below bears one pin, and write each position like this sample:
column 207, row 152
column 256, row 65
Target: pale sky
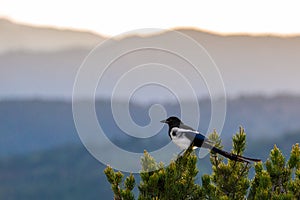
column 112, row 17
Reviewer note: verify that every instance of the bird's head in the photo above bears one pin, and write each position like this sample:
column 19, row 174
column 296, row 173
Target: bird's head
column 172, row 121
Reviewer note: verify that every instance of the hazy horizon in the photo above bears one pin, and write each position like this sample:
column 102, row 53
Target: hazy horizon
column 43, row 63
column 150, row 33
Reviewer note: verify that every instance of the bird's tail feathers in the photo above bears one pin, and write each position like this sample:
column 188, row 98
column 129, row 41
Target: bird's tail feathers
column 234, row 157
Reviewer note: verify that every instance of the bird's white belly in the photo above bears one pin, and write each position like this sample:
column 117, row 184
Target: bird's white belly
column 182, row 142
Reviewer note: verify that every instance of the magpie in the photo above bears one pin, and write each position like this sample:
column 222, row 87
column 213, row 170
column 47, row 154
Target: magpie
column 184, row 137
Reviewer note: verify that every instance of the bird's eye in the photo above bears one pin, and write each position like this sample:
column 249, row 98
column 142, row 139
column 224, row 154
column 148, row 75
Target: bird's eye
column 174, row 133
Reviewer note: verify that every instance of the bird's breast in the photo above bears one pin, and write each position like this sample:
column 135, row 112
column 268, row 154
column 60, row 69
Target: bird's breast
column 180, row 139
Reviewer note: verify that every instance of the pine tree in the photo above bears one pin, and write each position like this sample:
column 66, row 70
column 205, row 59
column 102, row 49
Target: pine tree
column 230, row 179
column 177, row 181
column 115, row 179
column 274, row 179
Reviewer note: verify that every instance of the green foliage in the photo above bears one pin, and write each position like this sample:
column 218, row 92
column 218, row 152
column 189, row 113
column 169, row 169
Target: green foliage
column 115, row 179
column 274, row 179
column 177, row 181
column 280, row 179
column 229, row 179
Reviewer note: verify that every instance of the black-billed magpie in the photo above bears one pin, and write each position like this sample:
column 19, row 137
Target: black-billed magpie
column 185, row 136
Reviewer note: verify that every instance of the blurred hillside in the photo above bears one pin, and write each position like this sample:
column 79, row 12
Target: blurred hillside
column 28, row 126
column 43, row 62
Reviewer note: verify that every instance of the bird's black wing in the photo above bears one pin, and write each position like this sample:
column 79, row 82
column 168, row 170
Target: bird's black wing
column 195, row 137
column 183, row 126
column 199, row 140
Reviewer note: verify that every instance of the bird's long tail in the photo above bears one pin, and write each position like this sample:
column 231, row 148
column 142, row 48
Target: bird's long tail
column 232, row 156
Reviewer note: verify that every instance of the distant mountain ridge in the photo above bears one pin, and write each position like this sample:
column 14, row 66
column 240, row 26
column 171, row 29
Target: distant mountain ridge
column 19, row 37
column 43, row 62
column 22, row 37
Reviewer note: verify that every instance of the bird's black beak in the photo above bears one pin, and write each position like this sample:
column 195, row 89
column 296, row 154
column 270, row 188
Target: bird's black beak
column 163, row 121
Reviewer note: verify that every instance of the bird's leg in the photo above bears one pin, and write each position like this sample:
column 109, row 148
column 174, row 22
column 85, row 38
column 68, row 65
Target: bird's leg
column 181, row 153
column 184, row 151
